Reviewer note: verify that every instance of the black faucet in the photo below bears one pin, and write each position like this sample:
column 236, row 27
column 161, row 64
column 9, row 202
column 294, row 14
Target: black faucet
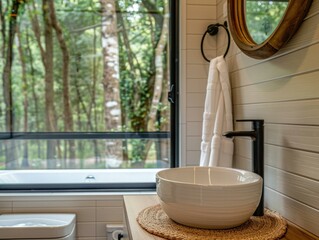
column 257, row 136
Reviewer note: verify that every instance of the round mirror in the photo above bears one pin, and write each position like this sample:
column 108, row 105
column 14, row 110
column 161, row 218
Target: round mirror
column 261, row 27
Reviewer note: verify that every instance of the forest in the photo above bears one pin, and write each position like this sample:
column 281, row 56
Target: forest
column 83, row 68
column 261, row 25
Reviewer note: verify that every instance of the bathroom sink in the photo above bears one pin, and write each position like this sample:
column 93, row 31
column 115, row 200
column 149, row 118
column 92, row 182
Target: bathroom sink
column 209, row 197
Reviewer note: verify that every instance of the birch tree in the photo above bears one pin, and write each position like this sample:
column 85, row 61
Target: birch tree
column 159, row 69
column 111, row 77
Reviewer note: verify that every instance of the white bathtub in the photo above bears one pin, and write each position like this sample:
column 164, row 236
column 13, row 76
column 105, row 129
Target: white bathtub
column 77, row 179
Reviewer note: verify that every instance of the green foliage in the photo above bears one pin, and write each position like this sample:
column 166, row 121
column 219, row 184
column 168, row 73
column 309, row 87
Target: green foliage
column 139, row 29
column 262, row 18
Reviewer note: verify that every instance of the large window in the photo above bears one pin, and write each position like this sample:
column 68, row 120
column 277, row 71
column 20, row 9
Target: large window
column 85, row 86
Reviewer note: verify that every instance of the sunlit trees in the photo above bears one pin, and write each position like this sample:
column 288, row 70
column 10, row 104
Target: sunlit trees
column 262, row 17
column 83, row 66
column 111, row 76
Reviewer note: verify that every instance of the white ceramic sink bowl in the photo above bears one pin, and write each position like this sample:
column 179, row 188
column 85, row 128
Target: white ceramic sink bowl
column 209, row 197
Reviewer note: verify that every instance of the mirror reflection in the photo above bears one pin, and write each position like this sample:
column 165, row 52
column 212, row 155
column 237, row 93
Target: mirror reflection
column 263, row 17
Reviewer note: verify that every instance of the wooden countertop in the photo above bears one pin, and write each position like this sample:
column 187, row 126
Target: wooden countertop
column 133, row 204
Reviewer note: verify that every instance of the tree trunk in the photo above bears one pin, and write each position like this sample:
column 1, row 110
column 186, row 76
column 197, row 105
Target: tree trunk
column 68, row 120
column 3, row 29
column 112, row 112
column 36, row 28
column 93, row 101
column 49, row 84
column 25, row 88
column 159, row 66
column 33, row 90
column 10, row 151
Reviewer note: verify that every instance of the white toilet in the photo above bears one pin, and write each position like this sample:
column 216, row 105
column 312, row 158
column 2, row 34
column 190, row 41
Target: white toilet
column 42, row 226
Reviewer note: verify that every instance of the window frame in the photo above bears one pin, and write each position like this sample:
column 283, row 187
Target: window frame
column 115, row 187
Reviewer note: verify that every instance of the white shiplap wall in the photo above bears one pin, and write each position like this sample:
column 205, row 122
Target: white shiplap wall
column 196, row 15
column 283, row 90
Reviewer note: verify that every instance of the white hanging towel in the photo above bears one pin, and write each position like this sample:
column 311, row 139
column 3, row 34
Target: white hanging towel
column 217, row 150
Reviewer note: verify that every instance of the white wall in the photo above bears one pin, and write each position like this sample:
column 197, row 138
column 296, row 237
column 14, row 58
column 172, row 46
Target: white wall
column 93, row 210
column 283, row 90
column 196, row 15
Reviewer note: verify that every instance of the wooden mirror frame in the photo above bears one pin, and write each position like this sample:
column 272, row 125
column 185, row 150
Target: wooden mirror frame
column 290, row 22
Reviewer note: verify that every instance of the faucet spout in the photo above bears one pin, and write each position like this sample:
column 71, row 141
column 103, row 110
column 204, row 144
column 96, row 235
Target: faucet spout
column 251, row 134
column 257, row 136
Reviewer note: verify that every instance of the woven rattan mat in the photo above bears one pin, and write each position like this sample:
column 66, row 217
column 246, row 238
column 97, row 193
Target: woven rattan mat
column 270, row 226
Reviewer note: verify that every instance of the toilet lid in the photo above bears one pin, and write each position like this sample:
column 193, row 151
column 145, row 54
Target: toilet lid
column 35, row 226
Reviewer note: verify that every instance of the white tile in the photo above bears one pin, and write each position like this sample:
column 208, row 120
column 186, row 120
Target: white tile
column 183, row 16
column 195, row 100
column 193, row 158
column 199, row 27
column 101, row 229
column 53, row 204
column 220, row 9
column 194, row 128
column 182, row 88
column 196, row 85
column 182, row 147
column 194, row 114
column 5, row 210
column 193, row 41
column 83, row 214
column 222, row 40
column 201, row 12
column 197, row 70
column 193, row 143
column 109, row 214
column 85, row 229
column 196, row 57
column 110, row 203
column 5, row 204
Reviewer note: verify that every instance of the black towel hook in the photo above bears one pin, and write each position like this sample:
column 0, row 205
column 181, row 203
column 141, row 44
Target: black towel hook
column 212, row 30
